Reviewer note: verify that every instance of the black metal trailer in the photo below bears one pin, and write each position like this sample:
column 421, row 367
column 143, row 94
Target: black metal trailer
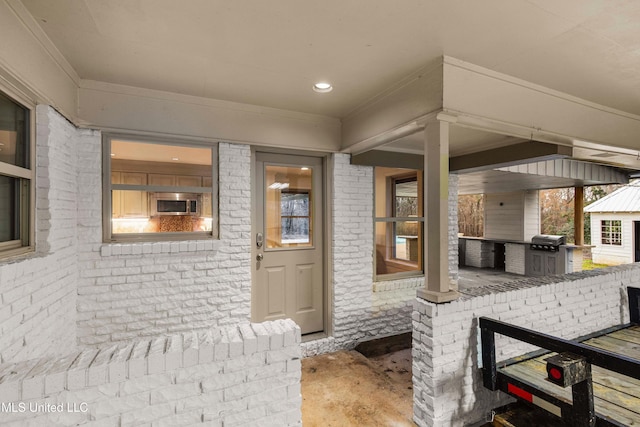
column 591, row 381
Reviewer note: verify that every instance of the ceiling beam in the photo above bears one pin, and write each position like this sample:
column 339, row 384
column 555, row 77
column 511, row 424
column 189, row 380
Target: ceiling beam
column 389, row 159
column 524, row 152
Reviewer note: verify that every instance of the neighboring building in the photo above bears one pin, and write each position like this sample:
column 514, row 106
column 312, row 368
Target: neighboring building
column 615, row 226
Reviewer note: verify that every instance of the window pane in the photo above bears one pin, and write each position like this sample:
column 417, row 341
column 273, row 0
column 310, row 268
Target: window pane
column 295, row 230
column 295, row 204
column 173, row 188
column 398, row 247
column 398, row 243
column 611, row 232
column 14, row 135
column 288, row 218
column 406, row 195
column 406, row 240
column 9, row 209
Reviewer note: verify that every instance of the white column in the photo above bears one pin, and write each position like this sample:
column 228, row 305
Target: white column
column 436, row 199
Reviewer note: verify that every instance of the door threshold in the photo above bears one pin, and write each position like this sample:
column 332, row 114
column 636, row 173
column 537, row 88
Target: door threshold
column 314, row 336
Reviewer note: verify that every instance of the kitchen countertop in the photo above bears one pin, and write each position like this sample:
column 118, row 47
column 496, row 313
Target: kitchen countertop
column 488, row 239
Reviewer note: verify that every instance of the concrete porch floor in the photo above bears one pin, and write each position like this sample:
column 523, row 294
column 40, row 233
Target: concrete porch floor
column 348, row 389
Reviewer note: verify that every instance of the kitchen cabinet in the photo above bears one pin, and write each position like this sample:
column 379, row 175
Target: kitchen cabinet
column 175, row 180
column 135, row 204
column 129, row 204
column 162, row 179
column 188, row 181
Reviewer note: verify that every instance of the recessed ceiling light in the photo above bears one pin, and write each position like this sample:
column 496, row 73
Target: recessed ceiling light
column 322, row 87
column 113, row 155
column 175, row 158
column 304, row 168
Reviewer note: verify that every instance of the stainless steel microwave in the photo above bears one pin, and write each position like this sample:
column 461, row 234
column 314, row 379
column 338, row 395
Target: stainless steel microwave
column 176, row 204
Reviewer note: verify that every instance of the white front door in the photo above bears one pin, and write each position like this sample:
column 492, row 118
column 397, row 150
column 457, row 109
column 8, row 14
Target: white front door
column 288, row 268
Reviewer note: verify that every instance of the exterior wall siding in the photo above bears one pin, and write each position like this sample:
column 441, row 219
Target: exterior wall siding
column 38, row 308
column 364, row 309
column 127, row 291
column 504, row 221
column 512, row 216
column 613, row 254
column 531, row 212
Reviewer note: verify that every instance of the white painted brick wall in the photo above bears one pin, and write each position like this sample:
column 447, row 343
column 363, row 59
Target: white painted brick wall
column 453, row 229
column 38, row 290
column 447, row 381
column 134, row 290
column 352, row 250
column 515, row 258
column 364, row 310
column 236, row 375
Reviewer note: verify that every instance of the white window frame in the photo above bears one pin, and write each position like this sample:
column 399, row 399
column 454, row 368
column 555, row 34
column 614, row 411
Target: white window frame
column 613, row 238
column 27, row 177
column 390, row 207
column 107, row 187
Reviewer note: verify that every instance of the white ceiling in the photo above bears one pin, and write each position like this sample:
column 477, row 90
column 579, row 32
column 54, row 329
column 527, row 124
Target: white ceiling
column 269, row 53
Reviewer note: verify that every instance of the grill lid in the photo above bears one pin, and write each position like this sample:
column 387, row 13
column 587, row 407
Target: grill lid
column 548, row 240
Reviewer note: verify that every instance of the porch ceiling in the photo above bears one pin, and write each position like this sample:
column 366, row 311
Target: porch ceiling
column 270, row 53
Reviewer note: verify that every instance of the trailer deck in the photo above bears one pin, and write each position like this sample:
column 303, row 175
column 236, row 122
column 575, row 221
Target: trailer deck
column 616, row 397
column 599, row 375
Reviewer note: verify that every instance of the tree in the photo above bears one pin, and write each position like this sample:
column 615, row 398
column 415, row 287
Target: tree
column 471, row 215
column 557, row 212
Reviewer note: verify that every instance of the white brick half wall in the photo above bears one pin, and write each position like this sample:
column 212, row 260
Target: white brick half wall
column 447, row 379
column 364, row 309
column 237, row 375
column 38, row 290
column 128, row 291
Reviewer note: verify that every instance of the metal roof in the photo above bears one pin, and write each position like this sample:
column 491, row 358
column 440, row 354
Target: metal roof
column 625, row 199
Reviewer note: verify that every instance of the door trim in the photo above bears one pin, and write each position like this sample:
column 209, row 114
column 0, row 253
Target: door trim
column 327, row 220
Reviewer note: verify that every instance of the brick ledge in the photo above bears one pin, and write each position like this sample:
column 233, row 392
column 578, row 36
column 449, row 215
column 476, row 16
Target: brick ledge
column 148, row 248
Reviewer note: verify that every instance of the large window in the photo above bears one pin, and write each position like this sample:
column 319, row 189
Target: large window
column 398, row 222
column 16, row 176
column 611, row 232
column 157, row 190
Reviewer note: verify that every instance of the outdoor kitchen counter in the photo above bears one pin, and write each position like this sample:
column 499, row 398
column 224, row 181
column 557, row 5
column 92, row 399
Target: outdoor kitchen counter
column 513, row 256
column 502, row 254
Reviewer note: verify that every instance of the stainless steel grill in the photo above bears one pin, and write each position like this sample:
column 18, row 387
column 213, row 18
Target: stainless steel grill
column 547, row 242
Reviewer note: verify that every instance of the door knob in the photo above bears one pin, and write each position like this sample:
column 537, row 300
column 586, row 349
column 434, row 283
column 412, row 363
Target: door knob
column 259, row 257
